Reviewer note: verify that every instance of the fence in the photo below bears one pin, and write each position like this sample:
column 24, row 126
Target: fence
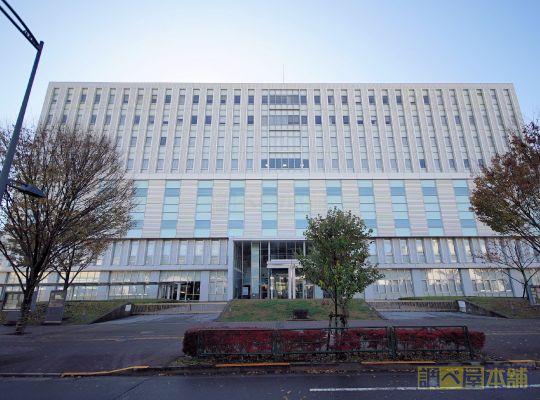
column 414, row 305
column 177, row 308
column 276, row 343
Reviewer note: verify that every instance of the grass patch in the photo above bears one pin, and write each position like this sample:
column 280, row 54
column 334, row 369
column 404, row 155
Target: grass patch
column 503, row 305
column 281, row 310
column 81, row 312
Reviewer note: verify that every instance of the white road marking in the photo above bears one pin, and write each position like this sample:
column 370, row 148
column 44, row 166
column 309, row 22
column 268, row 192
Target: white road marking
column 396, row 388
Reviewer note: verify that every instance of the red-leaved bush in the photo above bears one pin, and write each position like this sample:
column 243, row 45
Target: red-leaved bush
column 261, row 341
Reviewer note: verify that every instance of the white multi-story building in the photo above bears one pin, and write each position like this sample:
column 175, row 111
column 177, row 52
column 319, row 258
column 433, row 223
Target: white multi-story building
column 226, row 174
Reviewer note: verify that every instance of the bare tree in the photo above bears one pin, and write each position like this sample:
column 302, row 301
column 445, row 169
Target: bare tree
column 88, row 203
column 506, row 255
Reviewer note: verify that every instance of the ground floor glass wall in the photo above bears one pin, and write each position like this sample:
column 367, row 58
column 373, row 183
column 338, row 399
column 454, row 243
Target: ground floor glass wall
column 441, row 282
column 491, row 283
column 395, row 284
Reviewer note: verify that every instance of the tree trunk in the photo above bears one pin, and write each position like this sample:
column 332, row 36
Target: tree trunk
column 525, row 284
column 344, row 321
column 335, row 306
column 24, row 312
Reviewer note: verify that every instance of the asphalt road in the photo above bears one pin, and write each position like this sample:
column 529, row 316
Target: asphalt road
column 238, row 387
column 157, row 341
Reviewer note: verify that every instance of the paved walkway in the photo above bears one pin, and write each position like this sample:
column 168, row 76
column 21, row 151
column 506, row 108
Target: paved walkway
column 157, row 340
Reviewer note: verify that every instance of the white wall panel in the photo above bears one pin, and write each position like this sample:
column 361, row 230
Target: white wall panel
column 286, row 221
column 154, row 208
column 449, row 211
column 383, row 208
column 349, row 194
column 186, row 209
column 220, row 208
column 252, row 214
column 317, row 198
column 417, row 211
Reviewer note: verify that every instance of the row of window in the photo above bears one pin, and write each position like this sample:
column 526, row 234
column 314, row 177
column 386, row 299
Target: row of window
column 196, row 255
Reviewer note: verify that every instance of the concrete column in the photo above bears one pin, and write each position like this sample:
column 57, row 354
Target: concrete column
column 517, row 285
column 292, row 282
column 103, row 291
column 255, row 270
column 153, row 289
column 466, row 282
column 230, row 274
column 368, row 293
column 417, row 282
column 318, row 292
column 205, row 285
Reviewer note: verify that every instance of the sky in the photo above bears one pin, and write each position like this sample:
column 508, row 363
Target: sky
column 391, row 41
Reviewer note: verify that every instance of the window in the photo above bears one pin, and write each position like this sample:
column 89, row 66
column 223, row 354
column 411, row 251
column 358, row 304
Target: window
column 194, row 120
column 426, row 99
column 126, row 99
column 250, row 119
column 83, row 98
column 133, row 252
column 116, row 252
column 398, row 100
column 343, row 99
column 167, row 99
column 182, row 252
column 137, row 119
column 317, row 99
column 385, row 99
column 420, row 250
column 452, row 249
column 93, row 120
column 122, row 119
column 236, row 99
column 133, row 141
column 151, row 120
column 199, row 245
column 97, row 98
column 404, row 251
column 166, row 253
column 332, row 119
column 154, row 98
column 64, row 118
column 318, row 120
column 209, row 99
column 443, row 119
column 458, row 121
column 208, row 119
column 162, row 141
column 387, row 120
column 251, row 99
column 150, row 248
column 195, row 99
column 436, row 250
column 388, row 251
column 214, row 259
column 223, row 99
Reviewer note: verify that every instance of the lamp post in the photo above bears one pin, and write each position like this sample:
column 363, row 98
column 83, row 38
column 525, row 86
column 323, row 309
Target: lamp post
column 4, row 176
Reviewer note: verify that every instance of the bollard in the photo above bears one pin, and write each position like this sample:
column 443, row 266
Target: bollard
column 230, row 312
column 371, row 311
column 513, row 310
column 83, row 315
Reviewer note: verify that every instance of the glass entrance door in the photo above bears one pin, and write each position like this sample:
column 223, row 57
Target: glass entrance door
column 279, row 283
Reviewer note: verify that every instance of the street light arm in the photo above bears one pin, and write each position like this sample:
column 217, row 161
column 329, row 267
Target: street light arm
column 26, row 32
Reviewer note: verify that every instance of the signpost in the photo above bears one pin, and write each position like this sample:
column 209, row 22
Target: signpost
column 12, row 305
column 534, row 295
column 55, row 309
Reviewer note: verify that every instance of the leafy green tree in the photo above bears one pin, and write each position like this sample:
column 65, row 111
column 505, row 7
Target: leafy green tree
column 338, row 258
column 507, row 193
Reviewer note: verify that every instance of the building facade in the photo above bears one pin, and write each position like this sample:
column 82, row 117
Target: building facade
column 227, row 173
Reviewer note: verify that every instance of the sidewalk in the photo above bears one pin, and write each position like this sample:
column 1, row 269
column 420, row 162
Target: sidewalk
column 157, row 341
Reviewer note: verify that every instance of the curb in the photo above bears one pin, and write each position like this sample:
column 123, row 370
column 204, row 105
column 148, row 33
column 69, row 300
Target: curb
column 294, row 367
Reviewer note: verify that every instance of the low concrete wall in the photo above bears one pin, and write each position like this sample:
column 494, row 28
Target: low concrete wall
column 476, row 309
column 122, row 311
